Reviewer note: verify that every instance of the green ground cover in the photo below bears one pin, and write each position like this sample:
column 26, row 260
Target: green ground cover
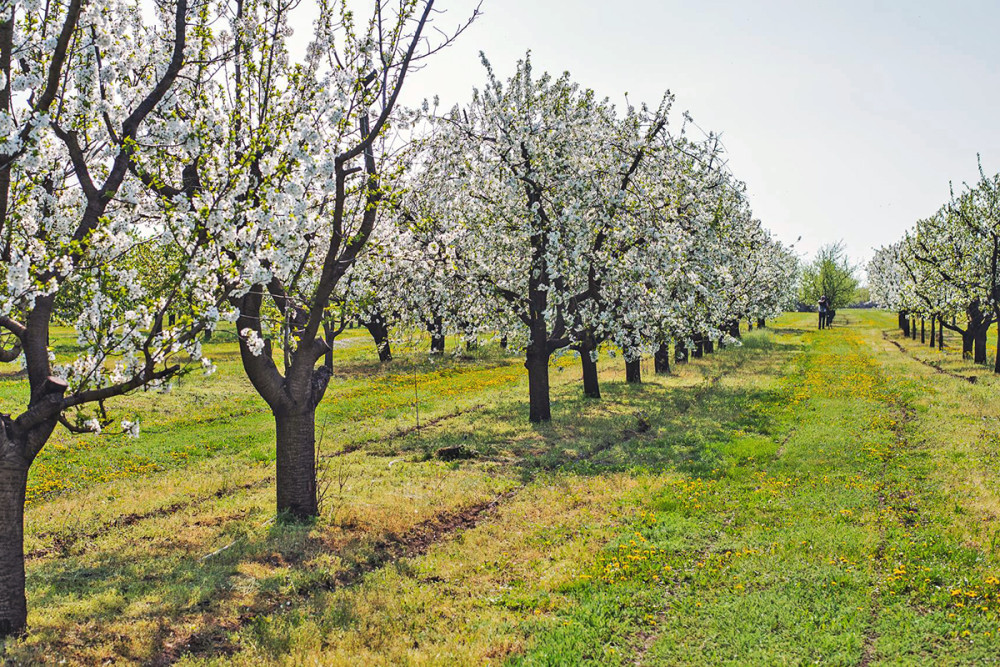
column 811, row 496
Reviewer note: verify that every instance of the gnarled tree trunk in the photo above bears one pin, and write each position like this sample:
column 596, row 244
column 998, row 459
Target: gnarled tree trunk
column 661, row 360
column 633, row 370
column 968, row 338
column 974, row 336
column 379, row 330
column 20, row 442
column 699, row 347
column 979, row 346
column 537, row 363
column 328, row 356
column 680, row 352
column 591, row 381
column 13, row 604
column 296, row 462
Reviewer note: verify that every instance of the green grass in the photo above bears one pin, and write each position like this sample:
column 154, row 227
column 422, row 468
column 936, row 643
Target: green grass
column 807, row 497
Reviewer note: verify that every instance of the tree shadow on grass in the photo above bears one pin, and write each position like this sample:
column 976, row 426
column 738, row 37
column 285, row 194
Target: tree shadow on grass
column 180, row 597
column 186, row 601
column 647, row 427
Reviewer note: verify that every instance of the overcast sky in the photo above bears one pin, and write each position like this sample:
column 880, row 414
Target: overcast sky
column 846, row 119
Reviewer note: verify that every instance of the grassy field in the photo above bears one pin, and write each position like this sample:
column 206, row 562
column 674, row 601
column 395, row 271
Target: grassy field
column 812, row 496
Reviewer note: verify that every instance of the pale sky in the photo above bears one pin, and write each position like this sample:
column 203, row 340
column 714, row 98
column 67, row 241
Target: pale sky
column 847, row 119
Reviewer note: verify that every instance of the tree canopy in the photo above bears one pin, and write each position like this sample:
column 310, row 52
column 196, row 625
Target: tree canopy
column 829, row 274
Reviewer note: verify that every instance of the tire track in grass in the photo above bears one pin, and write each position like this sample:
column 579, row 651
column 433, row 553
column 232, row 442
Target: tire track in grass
column 214, row 641
column 871, row 633
column 645, row 640
column 780, row 451
column 971, row 379
column 904, row 414
column 63, row 541
column 404, row 432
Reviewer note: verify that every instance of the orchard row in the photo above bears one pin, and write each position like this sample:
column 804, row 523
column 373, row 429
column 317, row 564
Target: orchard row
column 947, row 269
column 165, row 171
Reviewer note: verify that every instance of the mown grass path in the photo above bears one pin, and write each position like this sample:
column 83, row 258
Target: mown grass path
column 835, row 546
column 810, row 497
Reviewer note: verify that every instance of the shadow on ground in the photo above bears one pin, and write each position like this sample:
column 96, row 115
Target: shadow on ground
column 672, row 425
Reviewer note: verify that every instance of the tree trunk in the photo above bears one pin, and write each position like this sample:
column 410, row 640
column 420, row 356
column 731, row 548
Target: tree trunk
column 922, row 333
column 633, row 371
column 913, row 328
column 933, row 331
column 661, row 360
column 379, row 330
column 296, row 463
column 734, row 330
column 979, row 353
column 968, row 336
column 749, row 324
column 940, row 335
column 503, row 342
column 437, row 335
column 699, row 347
column 761, row 323
column 680, row 352
column 13, row 605
column 904, row 323
column 436, row 329
column 709, row 345
column 591, row 382
column 537, row 363
column 328, row 355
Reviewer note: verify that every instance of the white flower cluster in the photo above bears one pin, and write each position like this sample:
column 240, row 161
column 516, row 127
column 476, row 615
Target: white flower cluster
column 544, row 213
column 130, row 428
column 946, row 266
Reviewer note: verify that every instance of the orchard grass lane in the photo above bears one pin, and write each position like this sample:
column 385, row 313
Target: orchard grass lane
column 809, row 496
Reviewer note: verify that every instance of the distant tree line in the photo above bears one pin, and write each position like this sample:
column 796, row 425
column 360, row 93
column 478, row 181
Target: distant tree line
column 944, row 274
